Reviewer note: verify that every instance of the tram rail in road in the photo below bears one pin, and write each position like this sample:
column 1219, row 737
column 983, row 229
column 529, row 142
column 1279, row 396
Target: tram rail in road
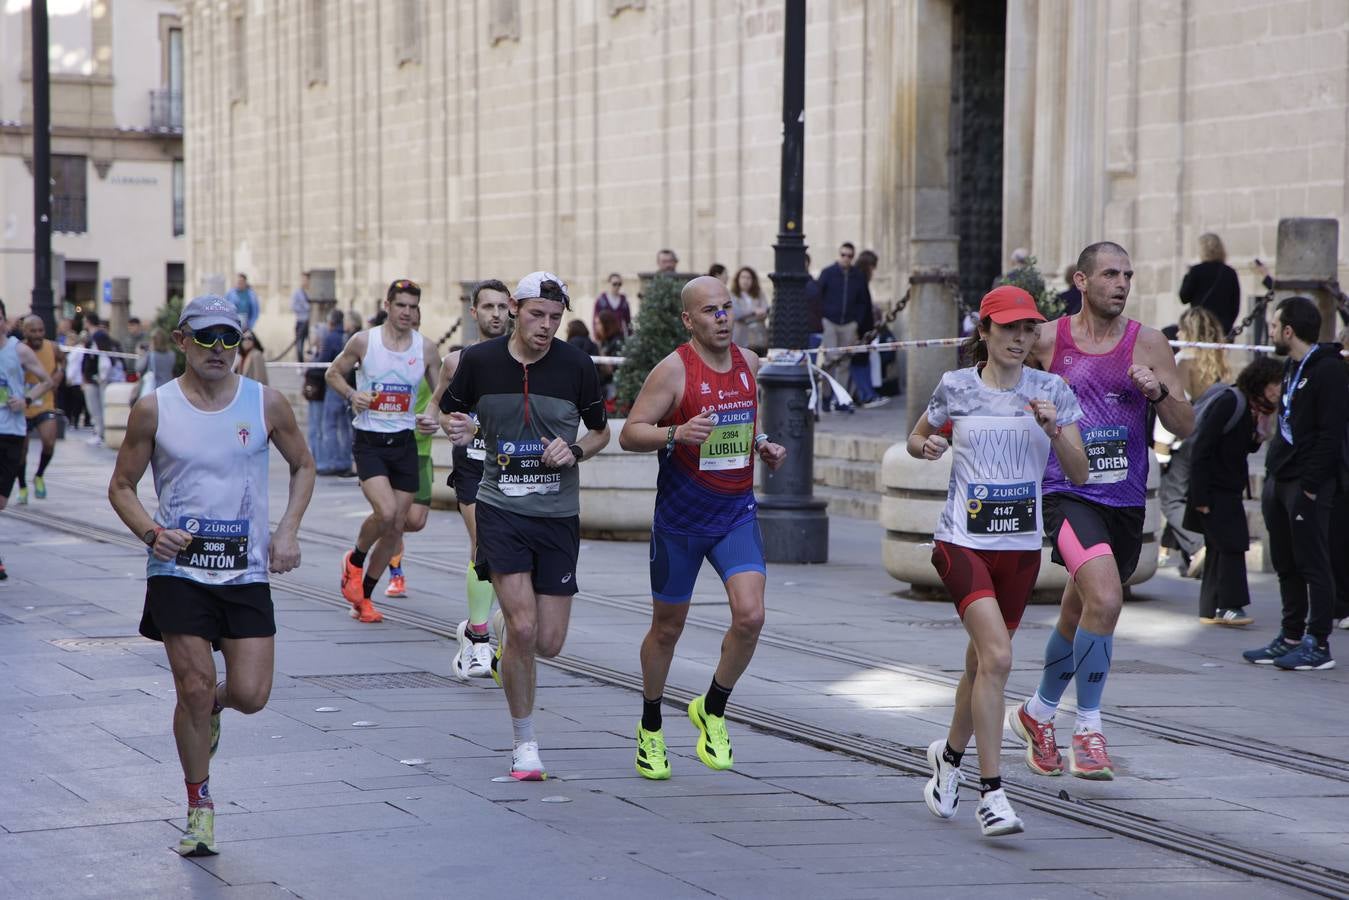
column 1301, row 874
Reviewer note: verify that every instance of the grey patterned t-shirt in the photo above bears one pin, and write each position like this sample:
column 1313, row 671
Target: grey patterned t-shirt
column 998, row 457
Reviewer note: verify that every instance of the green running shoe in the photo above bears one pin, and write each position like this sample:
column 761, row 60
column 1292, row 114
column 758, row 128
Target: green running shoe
column 714, row 744
column 200, row 837
column 23, row 496
column 652, row 762
column 40, row 487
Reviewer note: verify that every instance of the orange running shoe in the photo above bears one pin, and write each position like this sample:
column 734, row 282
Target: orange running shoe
column 351, row 581
column 1042, row 752
column 398, row 587
column 1088, row 758
column 365, row 611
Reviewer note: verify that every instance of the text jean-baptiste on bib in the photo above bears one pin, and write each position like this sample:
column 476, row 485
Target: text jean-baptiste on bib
column 728, row 446
column 1107, row 453
column 521, row 469
column 218, row 545
column 390, row 398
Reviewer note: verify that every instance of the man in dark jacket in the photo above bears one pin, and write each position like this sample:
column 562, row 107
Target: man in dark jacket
column 845, row 302
column 1301, row 469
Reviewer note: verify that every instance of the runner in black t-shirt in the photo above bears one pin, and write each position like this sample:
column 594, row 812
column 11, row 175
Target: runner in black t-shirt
column 530, row 392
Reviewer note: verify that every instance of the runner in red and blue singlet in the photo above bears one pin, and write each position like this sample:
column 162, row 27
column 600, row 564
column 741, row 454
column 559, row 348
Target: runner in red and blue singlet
column 698, row 408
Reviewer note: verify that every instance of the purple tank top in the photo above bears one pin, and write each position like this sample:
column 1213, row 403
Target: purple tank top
column 1114, row 420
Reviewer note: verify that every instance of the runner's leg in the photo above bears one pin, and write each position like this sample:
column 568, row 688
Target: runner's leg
column 194, row 684
column 991, row 647
column 249, row 664
column 519, row 606
column 391, row 532
column 745, row 591
column 667, row 624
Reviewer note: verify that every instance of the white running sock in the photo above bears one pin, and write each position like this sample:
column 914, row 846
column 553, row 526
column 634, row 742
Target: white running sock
column 1088, row 720
column 524, row 729
column 1039, row 710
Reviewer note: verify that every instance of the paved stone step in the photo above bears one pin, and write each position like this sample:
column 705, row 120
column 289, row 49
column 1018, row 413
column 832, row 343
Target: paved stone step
column 852, row 447
column 854, row 504
column 853, row 476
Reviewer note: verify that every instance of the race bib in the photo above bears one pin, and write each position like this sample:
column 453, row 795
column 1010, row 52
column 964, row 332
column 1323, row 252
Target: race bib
column 4, row 392
column 1001, row 508
column 728, row 446
column 1107, row 454
column 391, row 398
column 521, row 470
column 218, row 545
column 477, row 449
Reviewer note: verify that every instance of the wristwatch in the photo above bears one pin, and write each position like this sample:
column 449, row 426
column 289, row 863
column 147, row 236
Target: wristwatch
column 151, row 535
column 1166, row 392
column 576, row 451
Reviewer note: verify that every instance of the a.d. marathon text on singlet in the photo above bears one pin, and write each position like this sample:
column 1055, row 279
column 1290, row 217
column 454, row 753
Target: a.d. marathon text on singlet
column 998, row 455
column 210, row 471
column 1114, row 420
column 708, row 489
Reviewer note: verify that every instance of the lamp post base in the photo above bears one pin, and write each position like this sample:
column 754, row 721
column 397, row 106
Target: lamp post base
column 794, row 524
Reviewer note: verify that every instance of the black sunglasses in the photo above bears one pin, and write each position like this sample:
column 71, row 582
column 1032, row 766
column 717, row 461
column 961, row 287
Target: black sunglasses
column 229, row 338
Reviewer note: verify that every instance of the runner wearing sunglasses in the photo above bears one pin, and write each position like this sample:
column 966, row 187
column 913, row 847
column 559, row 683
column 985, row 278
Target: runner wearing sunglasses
column 206, row 436
column 394, row 360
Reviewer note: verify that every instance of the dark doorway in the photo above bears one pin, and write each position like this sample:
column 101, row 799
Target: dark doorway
column 175, row 278
column 83, row 292
column 979, row 34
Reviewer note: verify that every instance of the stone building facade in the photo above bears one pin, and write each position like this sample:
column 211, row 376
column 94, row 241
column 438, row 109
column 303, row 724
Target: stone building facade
column 487, row 138
column 117, row 152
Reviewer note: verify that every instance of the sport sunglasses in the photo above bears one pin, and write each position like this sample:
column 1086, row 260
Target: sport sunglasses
column 229, row 338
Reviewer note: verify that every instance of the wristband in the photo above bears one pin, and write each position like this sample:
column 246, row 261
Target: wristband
column 759, row 440
column 576, row 451
column 1058, row 430
column 669, row 439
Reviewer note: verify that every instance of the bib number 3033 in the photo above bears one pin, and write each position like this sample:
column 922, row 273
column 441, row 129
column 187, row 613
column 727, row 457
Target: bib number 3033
column 1001, row 508
column 218, row 545
column 1107, row 454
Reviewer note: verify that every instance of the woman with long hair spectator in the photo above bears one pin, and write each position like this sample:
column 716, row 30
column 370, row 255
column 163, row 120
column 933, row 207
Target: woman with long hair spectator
column 1212, row 284
column 1225, row 433
column 749, row 312
column 251, row 361
column 1201, row 369
column 612, row 299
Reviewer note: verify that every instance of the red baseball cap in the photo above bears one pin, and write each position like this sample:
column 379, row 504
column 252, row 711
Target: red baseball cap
column 1008, row 303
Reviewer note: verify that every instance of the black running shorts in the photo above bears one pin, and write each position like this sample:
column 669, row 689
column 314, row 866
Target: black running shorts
column 465, row 476
column 213, row 611
column 1081, row 530
column 547, row 548
column 392, row 455
column 11, row 460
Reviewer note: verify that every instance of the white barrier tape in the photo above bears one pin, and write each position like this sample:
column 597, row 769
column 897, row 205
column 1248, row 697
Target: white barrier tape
column 74, row 351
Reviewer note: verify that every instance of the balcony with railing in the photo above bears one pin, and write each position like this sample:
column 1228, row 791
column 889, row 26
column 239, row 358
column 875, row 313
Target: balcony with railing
column 166, row 111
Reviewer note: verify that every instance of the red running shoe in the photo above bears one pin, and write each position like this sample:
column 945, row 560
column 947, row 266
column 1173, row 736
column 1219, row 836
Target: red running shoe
column 1042, row 753
column 351, row 581
column 1088, row 759
column 365, row 611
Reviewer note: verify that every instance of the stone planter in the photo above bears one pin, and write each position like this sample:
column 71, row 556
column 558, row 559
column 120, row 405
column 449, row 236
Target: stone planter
column 913, row 497
column 117, row 400
column 618, row 491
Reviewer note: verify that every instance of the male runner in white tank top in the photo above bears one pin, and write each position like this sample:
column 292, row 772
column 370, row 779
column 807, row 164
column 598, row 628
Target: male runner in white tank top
column 394, row 358
column 206, row 435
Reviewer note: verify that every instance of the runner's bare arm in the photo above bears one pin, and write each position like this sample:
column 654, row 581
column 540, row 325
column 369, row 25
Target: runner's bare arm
column 339, row 368
column 924, row 441
column 132, row 460
column 286, row 437
column 1155, row 365
column 33, row 367
column 1042, row 354
column 431, row 353
column 659, row 396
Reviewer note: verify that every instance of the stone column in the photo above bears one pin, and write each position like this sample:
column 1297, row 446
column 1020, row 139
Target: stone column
column 931, row 313
column 1308, row 252
column 121, row 310
column 322, row 299
column 468, row 325
column 1018, row 127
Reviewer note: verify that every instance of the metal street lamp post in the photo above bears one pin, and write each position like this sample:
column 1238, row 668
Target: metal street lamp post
column 42, row 173
column 795, row 525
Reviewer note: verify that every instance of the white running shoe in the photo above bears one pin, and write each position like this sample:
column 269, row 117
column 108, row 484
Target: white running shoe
column 525, row 763
column 481, row 664
column 996, row 816
column 463, row 657
column 942, row 792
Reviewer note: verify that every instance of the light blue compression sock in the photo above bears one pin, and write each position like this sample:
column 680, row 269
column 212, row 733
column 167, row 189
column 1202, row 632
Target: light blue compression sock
column 1091, row 658
column 1058, row 671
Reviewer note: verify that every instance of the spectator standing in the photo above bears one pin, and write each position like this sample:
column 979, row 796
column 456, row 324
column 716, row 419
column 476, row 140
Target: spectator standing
column 1199, row 371
column 245, row 300
column 845, row 302
column 1301, row 469
column 1225, row 434
column 749, row 312
column 1071, row 298
column 667, row 261
column 609, row 336
column 156, row 366
column 251, row 362
column 864, row 388
column 336, row 430
column 615, row 301
column 718, row 271
column 1212, row 283
column 579, row 337
column 299, row 304
column 71, row 395
column 95, row 369
column 137, row 341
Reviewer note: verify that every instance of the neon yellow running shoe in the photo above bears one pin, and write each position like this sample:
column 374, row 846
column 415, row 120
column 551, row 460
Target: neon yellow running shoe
column 499, row 626
column 215, row 733
column 199, row 840
column 652, row 762
column 714, row 744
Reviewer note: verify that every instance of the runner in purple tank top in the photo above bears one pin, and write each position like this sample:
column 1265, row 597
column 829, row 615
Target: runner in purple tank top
column 1116, row 367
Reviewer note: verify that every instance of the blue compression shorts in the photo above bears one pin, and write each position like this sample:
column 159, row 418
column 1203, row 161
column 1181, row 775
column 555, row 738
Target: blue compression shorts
column 676, row 558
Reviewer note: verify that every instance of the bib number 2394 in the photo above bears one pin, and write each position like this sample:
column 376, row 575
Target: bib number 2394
column 1107, row 454
column 1001, row 508
column 218, row 545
